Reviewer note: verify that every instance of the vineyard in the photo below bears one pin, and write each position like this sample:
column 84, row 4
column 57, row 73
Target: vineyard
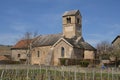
column 56, row 73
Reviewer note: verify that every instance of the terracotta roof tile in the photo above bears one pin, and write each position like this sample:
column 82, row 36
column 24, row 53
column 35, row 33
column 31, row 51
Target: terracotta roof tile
column 22, row 44
column 4, row 58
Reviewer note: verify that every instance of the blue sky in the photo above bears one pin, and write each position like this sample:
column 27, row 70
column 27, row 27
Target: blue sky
column 100, row 18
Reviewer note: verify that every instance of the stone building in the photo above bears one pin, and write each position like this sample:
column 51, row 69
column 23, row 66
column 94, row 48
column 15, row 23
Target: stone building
column 68, row 45
column 116, row 45
column 20, row 51
column 116, row 42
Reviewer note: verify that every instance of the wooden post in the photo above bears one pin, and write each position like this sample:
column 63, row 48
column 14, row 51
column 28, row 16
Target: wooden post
column 75, row 75
column 27, row 72
column 46, row 72
column 112, row 73
column 93, row 74
column 2, row 74
column 85, row 75
column 101, row 75
column 108, row 74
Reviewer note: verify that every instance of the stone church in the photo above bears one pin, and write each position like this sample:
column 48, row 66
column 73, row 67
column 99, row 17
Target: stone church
column 51, row 49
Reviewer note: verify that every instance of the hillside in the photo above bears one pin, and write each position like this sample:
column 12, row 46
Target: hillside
column 5, row 49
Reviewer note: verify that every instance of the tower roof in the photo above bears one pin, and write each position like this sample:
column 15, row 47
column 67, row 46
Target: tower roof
column 70, row 13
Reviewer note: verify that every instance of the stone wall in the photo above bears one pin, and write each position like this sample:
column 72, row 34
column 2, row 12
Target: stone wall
column 72, row 29
column 43, row 55
column 22, row 54
column 89, row 54
column 78, row 53
column 57, row 51
column 117, row 42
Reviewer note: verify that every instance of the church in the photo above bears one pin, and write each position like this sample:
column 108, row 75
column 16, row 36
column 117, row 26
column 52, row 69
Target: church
column 53, row 49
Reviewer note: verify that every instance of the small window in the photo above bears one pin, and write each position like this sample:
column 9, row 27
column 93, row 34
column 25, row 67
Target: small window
column 68, row 20
column 38, row 54
column 62, row 52
column 83, row 55
column 18, row 55
column 78, row 20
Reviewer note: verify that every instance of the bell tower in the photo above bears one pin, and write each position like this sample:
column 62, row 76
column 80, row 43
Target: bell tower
column 72, row 24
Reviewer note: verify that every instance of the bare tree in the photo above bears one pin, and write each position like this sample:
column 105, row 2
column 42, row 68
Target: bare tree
column 30, row 38
column 116, row 54
column 104, row 49
column 26, row 43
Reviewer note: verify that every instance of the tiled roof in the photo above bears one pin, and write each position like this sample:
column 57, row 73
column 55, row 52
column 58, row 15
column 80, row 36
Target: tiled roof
column 70, row 13
column 73, row 42
column 22, row 44
column 80, row 43
column 87, row 46
column 46, row 40
column 49, row 40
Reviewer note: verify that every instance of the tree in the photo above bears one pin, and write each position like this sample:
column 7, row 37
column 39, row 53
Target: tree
column 116, row 55
column 104, row 49
column 25, row 49
column 30, row 38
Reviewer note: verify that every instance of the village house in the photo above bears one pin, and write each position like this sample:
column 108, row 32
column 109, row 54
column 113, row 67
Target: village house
column 52, row 49
column 20, row 51
column 116, row 42
column 116, row 46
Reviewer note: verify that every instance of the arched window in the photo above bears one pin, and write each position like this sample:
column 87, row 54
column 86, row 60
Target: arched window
column 62, row 51
column 38, row 54
column 69, row 20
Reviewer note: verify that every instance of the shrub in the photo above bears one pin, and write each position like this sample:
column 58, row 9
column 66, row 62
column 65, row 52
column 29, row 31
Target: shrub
column 84, row 63
column 62, row 61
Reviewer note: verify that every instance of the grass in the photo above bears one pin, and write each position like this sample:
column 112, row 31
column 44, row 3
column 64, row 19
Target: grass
column 46, row 74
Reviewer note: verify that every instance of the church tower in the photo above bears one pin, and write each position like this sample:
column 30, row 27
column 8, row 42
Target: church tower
column 72, row 24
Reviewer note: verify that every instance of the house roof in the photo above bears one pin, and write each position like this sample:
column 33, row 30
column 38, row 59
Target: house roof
column 50, row 40
column 63, row 39
column 75, row 43
column 87, row 46
column 22, row 44
column 46, row 40
column 70, row 13
column 80, row 44
column 115, row 39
